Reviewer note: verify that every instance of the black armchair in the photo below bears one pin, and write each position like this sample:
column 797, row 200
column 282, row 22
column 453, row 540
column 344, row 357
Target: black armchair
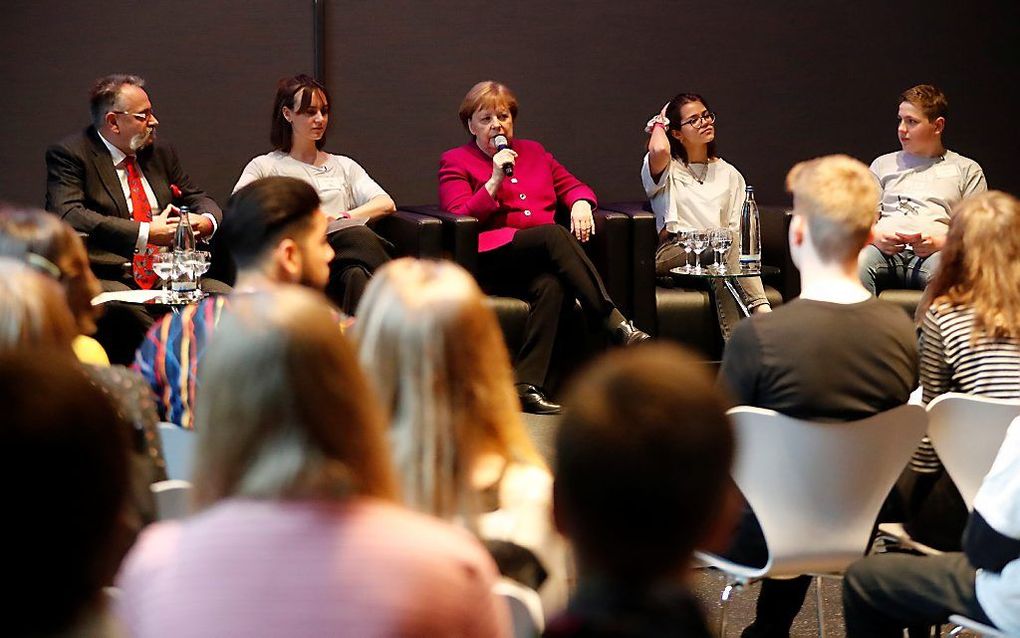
column 609, row 249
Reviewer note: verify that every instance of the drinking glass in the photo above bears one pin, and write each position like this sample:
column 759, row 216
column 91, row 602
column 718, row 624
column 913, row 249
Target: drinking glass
column 721, row 239
column 196, row 263
column 699, row 241
column 686, row 239
column 163, row 265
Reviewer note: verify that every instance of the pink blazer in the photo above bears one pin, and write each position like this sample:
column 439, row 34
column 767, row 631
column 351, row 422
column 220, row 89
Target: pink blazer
column 527, row 199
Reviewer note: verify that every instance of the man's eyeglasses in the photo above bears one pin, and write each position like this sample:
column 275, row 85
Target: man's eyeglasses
column 144, row 116
column 708, row 117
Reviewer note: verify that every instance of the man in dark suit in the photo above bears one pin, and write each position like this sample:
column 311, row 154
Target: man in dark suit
column 121, row 187
column 89, row 177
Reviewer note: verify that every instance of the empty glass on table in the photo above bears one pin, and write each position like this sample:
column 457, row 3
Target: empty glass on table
column 163, row 265
column 720, row 239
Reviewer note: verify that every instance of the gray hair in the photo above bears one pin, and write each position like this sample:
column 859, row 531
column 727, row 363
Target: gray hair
column 104, row 93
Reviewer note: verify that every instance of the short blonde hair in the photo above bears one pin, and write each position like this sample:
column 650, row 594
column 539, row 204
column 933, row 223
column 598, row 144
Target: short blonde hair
column 436, row 355
column 838, row 196
column 33, row 310
column 487, row 94
column 283, row 410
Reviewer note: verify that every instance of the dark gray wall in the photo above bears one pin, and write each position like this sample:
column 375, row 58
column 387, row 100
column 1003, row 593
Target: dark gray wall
column 210, row 69
column 789, row 80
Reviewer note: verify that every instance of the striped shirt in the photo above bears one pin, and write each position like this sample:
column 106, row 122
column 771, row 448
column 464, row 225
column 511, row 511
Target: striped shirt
column 172, row 351
column 169, row 356
column 950, row 362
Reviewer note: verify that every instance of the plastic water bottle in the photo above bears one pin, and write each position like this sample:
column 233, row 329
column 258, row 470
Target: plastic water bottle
column 750, row 233
column 184, row 279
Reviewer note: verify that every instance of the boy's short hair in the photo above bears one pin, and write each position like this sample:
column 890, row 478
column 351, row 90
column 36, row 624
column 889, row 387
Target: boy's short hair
column 929, row 98
column 838, row 196
column 642, row 461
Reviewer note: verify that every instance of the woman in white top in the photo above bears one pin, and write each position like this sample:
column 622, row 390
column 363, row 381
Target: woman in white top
column 436, row 355
column 348, row 194
column 691, row 187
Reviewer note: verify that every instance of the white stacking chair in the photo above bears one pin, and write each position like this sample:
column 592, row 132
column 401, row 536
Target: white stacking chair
column 816, row 488
column 173, row 499
column 966, row 624
column 178, row 450
column 967, row 431
column 525, row 605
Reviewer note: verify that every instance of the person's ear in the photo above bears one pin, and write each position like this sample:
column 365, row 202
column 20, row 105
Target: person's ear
column 939, row 124
column 288, row 114
column 287, row 260
column 797, row 230
column 111, row 121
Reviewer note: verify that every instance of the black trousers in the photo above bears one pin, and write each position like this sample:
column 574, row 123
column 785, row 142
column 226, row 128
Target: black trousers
column 359, row 253
column 546, row 267
column 884, row 594
column 779, row 600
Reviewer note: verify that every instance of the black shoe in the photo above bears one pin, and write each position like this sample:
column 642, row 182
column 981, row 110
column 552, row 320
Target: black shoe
column 626, row 334
column 534, row 401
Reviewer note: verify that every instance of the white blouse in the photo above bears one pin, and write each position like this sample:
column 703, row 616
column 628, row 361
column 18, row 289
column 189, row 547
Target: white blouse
column 680, row 202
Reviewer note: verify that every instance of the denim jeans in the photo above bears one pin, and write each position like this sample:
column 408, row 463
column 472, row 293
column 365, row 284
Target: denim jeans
column 879, row 271
column 750, row 289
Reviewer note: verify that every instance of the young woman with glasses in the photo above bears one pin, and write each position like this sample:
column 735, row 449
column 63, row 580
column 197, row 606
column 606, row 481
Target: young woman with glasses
column 692, row 188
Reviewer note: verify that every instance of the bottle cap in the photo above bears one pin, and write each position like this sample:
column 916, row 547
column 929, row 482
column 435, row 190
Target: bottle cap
column 750, row 189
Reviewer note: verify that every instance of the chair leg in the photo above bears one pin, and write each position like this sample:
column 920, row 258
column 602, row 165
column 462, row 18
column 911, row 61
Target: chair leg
column 818, row 607
column 725, row 599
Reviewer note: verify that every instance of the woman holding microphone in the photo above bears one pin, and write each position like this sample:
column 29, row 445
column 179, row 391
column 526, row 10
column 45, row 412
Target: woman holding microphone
column 513, row 187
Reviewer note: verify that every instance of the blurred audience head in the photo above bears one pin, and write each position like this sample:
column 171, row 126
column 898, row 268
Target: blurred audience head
column 487, row 95
column 274, row 227
column 981, row 263
column 295, row 94
column 642, row 464
column 63, row 451
column 835, row 203
column 435, row 353
column 284, row 411
column 33, row 311
column 53, row 248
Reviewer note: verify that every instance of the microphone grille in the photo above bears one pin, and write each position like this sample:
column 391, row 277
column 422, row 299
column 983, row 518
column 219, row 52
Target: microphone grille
column 500, row 140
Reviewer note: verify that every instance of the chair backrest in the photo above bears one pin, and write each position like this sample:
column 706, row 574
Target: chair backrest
column 525, row 607
column 173, row 499
column 816, row 488
column 967, row 432
column 178, row 450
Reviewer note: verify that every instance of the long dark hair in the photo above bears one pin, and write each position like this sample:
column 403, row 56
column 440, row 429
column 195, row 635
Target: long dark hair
column 281, row 134
column 676, row 148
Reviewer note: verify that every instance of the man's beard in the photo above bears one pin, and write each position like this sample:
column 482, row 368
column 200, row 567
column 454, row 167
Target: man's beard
column 143, row 139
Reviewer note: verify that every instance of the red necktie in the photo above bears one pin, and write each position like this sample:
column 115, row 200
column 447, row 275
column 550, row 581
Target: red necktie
column 141, row 263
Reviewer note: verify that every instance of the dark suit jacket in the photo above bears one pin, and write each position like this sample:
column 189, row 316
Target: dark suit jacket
column 83, row 189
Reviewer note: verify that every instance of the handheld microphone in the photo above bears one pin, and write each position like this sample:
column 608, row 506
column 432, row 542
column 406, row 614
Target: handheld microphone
column 501, row 143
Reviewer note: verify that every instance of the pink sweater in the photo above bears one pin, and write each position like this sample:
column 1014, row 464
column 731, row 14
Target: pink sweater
column 265, row 568
column 528, row 199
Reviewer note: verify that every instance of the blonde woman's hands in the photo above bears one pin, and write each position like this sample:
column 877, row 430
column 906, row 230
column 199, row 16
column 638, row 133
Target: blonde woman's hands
column 582, row 222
